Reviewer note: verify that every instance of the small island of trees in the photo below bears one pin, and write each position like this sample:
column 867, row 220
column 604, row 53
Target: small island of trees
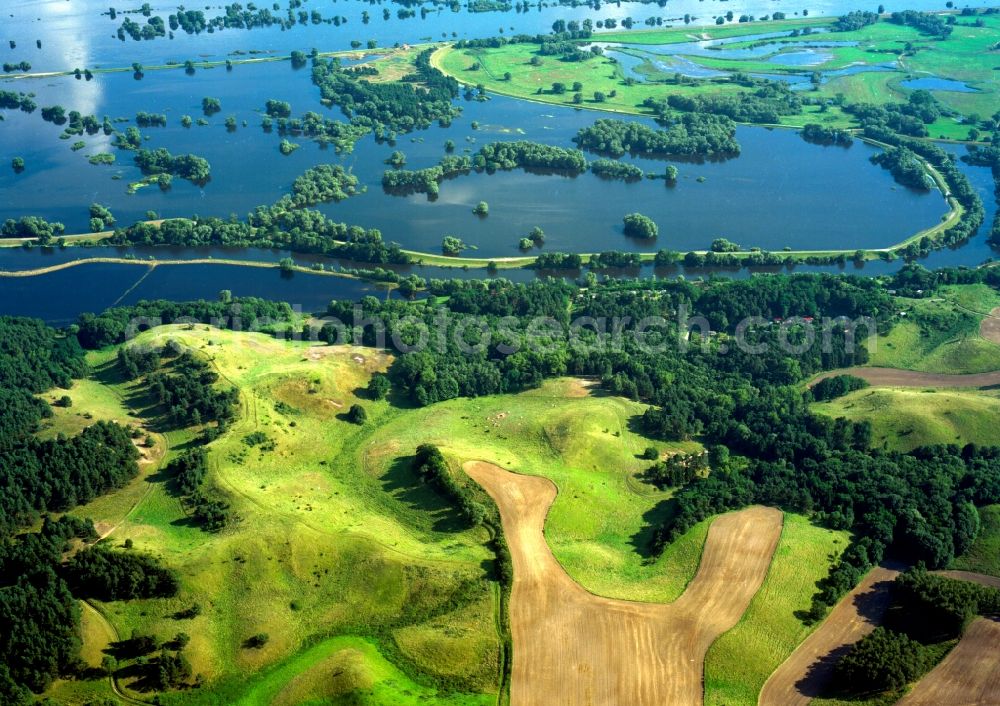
column 640, row 226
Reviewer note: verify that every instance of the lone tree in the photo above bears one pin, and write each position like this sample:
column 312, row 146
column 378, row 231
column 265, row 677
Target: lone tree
column 450, row 245
column 379, row 386
column 482, row 209
column 357, row 414
column 640, row 226
column 17, row 164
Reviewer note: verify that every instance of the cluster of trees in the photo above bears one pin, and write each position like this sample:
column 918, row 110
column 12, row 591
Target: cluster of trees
column 131, row 139
column 691, row 134
column 393, row 107
column 558, row 261
column 822, row 135
column 432, row 468
column 326, row 182
column 186, row 388
column 766, row 104
column 614, row 169
column 188, row 472
column 640, row 226
column 153, row 28
column 614, row 259
column 15, row 100
column 32, row 227
column 276, row 226
column 909, row 118
column 187, row 166
column 210, row 105
column 98, row 572
column 39, row 617
column 925, row 22
column 836, row 386
column 278, row 109
column 676, row 470
column 906, row 169
column 565, row 50
column 55, row 474
column 234, row 16
column 528, row 155
column 855, row 20
column 22, row 66
column 143, row 119
column 324, row 130
column 490, row 157
column 101, row 218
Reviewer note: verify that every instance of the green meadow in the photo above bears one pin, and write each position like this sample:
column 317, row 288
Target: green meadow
column 338, row 552
column 905, row 418
column 940, row 334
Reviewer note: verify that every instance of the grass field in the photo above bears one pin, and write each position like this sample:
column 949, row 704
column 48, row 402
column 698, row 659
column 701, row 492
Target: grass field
column 319, row 548
column 965, row 56
column 941, row 334
column 335, row 535
column 740, row 661
column 904, row 418
column 984, row 556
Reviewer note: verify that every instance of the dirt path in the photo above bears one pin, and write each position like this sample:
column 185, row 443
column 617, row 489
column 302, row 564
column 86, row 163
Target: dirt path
column 968, row 676
column 989, row 327
column 892, row 377
column 991, row 581
column 801, row 677
column 572, row 647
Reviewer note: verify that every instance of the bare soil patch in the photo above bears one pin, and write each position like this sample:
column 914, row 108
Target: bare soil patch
column 892, row 377
column 969, row 675
column 802, row 676
column 989, row 327
column 572, row 647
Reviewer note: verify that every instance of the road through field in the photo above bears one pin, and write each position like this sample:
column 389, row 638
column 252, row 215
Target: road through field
column 801, row 677
column 575, row 648
column 893, row 377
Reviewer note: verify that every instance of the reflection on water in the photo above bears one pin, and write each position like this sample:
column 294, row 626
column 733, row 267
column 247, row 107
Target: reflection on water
column 933, row 83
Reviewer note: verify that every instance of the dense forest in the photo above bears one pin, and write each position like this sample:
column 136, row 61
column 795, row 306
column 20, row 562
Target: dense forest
column 39, row 614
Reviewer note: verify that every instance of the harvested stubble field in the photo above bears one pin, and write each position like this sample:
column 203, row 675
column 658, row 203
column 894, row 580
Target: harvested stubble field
column 573, row 647
column 968, row 676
